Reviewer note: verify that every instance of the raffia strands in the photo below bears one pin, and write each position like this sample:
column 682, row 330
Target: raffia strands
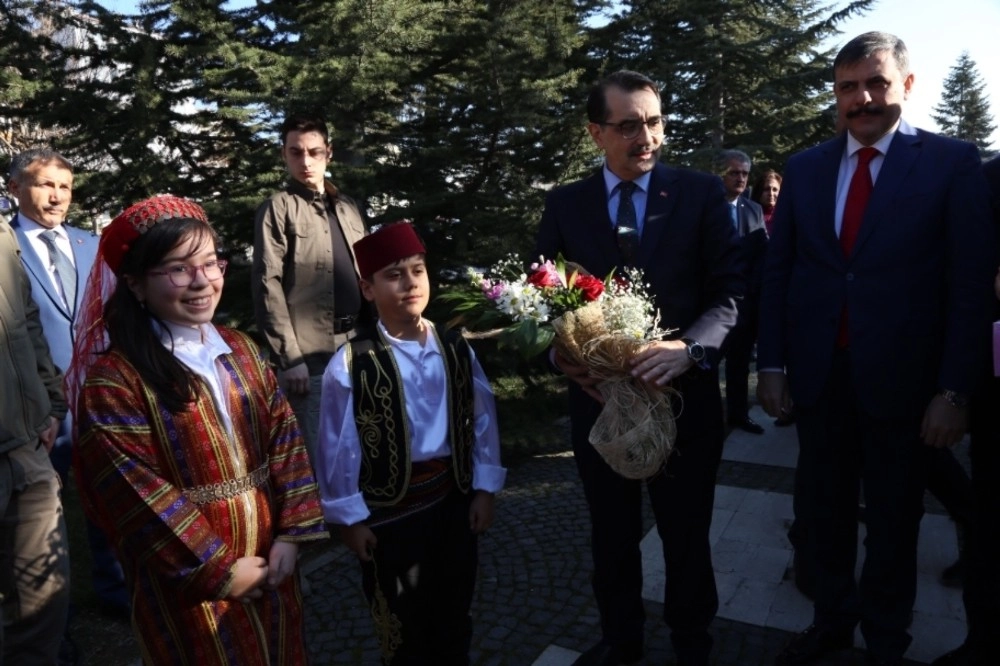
column 636, row 429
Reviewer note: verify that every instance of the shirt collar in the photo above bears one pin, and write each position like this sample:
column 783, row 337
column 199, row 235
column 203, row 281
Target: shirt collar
column 611, row 180
column 192, row 337
column 33, row 228
column 882, row 145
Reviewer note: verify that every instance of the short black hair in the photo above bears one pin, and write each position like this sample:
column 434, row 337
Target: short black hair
column 627, row 80
column 868, row 44
column 301, row 122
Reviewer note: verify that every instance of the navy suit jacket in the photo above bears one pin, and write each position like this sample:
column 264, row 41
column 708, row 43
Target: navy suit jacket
column 916, row 285
column 57, row 322
column 687, row 252
column 753, row 245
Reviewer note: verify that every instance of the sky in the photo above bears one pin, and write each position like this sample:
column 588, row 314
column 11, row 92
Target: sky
column 935, row 38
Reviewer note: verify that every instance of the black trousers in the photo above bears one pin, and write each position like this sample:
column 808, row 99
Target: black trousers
column 738, row 349
column 842, row 448
column 982, row 585
column 425, row 568
column 682, row 498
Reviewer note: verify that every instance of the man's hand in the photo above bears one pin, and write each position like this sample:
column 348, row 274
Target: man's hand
column 47, row 437
column 943, row 424
column 661, row 362
column 295, row 380
column 772, row 393
column 281, row 562
column 579, row 374
column 360, row 539
column 481, row 512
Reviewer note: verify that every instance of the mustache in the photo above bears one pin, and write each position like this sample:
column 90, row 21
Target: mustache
column 643, row 149
column 867, row 110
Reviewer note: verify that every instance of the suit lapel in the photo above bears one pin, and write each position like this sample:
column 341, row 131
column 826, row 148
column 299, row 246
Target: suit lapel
column 826, row 188
column 903, row 150
column 38, row 268
column 601, row 226
column 660, row 201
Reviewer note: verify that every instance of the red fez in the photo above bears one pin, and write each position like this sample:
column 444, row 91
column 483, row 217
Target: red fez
column 388, row 245
column 134, row 221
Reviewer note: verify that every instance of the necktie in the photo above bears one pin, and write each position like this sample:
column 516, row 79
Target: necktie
column 734, row 212
column 65, row 272
column 625, row 225
column 858, row 193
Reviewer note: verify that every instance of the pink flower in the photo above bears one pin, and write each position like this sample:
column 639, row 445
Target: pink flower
column 492, row 291
column 545, row 276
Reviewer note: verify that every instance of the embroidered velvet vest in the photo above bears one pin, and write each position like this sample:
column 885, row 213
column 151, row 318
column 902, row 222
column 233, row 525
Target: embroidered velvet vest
column 380, row 414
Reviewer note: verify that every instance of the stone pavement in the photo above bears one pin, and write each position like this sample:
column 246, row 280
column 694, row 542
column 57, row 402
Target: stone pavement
column 534, row 605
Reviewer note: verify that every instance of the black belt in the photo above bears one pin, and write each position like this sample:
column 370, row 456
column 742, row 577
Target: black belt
column 344, row 324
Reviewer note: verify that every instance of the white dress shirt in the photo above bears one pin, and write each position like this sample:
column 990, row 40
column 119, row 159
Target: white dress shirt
column 422, row 369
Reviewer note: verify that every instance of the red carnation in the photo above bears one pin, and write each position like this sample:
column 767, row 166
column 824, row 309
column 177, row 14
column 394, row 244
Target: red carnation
column 591, row 287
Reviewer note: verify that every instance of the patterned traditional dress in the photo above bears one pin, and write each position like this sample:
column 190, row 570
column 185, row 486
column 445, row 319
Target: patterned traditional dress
column 182, row 500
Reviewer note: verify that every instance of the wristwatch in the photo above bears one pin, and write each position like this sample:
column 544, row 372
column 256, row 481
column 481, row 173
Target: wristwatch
column 695, row 351
column 954, row 398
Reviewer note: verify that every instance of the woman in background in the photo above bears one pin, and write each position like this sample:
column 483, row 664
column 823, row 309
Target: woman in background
column 188, row 456
column 765, row 192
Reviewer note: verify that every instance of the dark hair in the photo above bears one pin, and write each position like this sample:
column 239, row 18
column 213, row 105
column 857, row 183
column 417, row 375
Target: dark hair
column 758, row 186
column 20, row 162
column 627, row 80
column 129, row 322
column 723, row 158
column 303, row 123
column 868, row 44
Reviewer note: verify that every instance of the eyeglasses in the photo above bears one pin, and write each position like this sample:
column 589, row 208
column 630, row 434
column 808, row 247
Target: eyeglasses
column 182, row 275
column 630, row 129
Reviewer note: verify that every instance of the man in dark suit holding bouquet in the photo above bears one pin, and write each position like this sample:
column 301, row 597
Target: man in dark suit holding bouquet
column 675, row 226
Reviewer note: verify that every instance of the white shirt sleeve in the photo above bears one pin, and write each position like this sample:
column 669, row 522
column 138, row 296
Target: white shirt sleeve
column 338, row 456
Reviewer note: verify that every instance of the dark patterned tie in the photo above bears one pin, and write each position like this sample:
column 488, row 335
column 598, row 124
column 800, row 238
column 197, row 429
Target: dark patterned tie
column 65, row 272
column 625, row 224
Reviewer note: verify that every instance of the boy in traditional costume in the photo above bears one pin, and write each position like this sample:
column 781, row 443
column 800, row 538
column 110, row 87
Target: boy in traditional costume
column 188, row 456
column 409, row 458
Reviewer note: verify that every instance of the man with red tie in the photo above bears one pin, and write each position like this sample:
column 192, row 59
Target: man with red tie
column 876, row 291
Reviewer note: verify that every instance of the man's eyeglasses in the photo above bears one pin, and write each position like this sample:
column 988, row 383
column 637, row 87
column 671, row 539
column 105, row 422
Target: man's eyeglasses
column 182, row 275
column 630, row 129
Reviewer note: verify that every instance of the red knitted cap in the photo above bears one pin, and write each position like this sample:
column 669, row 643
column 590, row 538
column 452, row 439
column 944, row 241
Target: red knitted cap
column 117, row 237
column 388, row 245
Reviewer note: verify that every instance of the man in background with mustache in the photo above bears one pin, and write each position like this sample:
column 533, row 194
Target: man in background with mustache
column 877, row 288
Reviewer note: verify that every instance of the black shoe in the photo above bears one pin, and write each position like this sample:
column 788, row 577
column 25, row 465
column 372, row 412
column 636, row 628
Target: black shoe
column 749, row 425
column 960, row 656
column 813, row 643
column 604, row 654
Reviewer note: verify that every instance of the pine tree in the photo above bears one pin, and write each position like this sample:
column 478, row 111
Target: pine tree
column 964, row 110
column 751, row 74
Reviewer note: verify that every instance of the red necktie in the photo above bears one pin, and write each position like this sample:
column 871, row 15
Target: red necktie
column 858, row 193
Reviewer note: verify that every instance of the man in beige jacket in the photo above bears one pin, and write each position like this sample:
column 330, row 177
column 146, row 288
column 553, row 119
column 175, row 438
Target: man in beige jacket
column 305, row 281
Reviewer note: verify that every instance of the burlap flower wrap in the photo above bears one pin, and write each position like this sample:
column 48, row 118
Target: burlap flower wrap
column 636, row 429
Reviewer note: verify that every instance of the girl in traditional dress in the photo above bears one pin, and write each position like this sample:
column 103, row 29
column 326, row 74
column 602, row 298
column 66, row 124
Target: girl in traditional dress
column 188, row 456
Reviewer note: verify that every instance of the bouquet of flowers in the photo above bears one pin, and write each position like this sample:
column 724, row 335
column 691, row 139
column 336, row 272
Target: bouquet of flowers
column 598, row 323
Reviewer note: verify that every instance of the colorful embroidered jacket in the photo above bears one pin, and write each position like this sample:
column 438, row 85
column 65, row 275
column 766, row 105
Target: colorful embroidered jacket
column 182, row 499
